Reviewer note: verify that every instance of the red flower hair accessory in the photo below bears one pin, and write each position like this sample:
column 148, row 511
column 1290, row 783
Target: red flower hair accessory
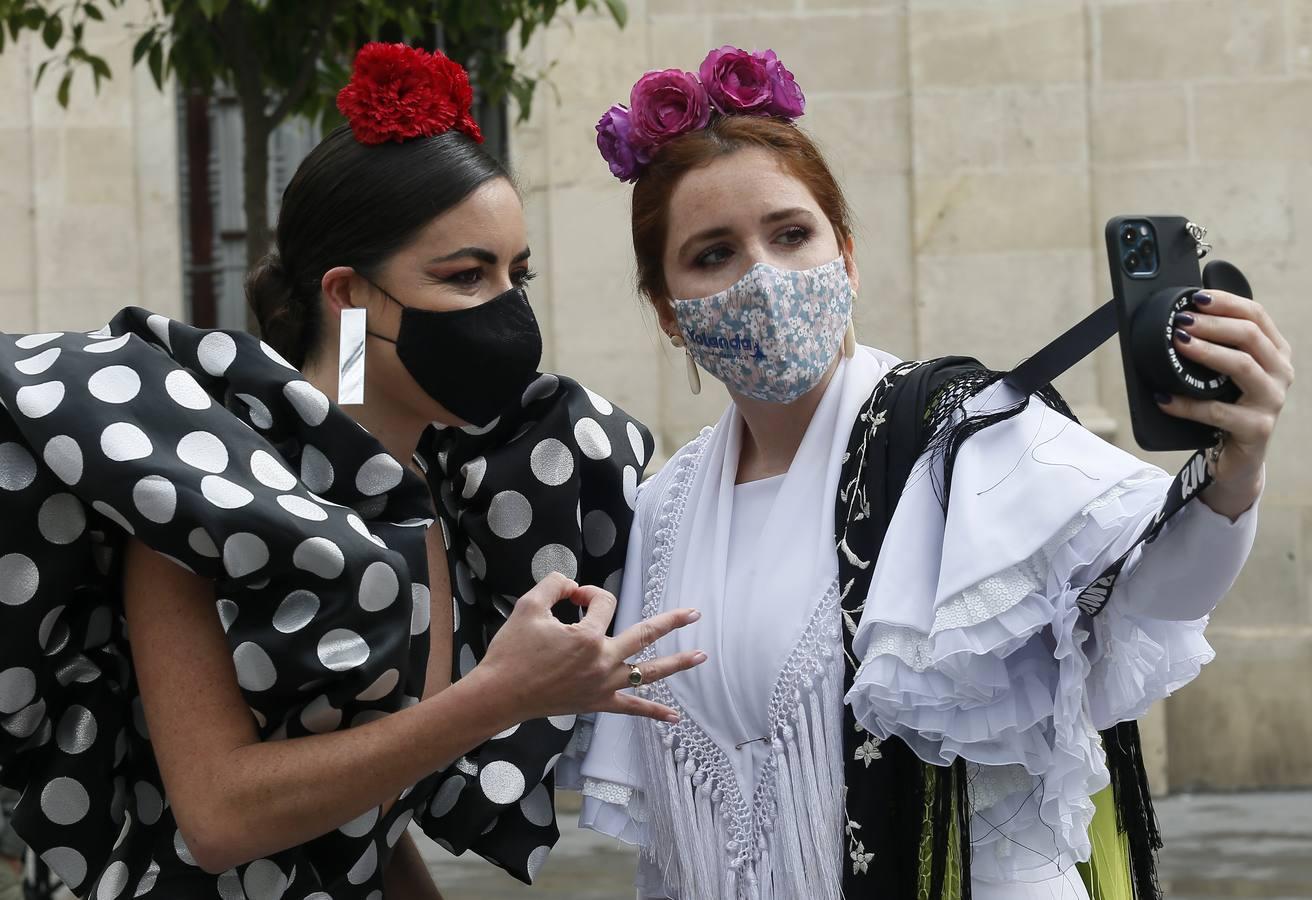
column 398, row 92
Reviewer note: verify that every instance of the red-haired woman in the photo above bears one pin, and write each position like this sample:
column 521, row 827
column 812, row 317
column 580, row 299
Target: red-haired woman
column 904, row 698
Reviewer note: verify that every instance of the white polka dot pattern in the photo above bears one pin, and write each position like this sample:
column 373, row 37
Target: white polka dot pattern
column 342, row 649
column 114, row 384
column 38, row 400
column 124, row 442
column 551, row 462
column 68, row 864
column 592, row 439
column 509, row 515
column 64, row 457
column 61, row 519
column 17, row 467
column 156, row 498
column 309, row 402
column 35, row 365
column 501, row 781
column 204, row 451
column 216, row 352
column 183, row 389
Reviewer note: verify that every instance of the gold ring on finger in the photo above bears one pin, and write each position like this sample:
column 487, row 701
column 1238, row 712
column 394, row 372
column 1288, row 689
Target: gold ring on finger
column 635, row 676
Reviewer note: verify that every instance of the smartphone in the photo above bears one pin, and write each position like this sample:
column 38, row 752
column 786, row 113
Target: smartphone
column 1153, row 262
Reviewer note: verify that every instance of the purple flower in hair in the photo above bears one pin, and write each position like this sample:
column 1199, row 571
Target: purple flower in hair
column 666, row 104
column 615, row 141
column 788, row 100
column 737, row 81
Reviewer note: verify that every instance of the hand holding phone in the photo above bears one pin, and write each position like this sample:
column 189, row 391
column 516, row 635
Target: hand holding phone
column 1155, row 275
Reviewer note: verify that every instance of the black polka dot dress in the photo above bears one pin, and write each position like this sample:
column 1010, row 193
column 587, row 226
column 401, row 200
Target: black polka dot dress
column 548, row 488
column 211, row 449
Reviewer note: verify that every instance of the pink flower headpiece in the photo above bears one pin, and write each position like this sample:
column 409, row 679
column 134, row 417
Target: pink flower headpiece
column 671, row 102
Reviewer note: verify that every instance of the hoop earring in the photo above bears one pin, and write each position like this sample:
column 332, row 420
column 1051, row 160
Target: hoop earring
column 694, row 377
column 849, row 340
column 350, row 356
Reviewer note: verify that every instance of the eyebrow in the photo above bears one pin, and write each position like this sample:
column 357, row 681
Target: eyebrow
column 480, row 254
column 725, row 231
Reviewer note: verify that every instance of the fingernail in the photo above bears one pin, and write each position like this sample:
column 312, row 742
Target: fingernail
column 694, row 615
column 1183, row 318
column 672, row 718
column 1183, row 337
column 1202, row 298
column 1161, row 398
column 698, row 658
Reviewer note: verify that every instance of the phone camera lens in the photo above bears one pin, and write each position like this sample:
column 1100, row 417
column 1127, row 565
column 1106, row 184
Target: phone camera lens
column 1130, row 234
column 1146, row 249
column 1132, row 261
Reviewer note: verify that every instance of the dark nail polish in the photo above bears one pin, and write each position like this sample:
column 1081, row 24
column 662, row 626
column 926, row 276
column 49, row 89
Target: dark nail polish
column 1183, row 337
column 1161, row 398
column 1183, row 318
column 1202, row 298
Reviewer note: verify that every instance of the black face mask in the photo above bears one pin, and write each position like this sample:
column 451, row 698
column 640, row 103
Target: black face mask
column 477, row 361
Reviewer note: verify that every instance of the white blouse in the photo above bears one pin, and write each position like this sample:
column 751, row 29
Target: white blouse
column 1002, row 669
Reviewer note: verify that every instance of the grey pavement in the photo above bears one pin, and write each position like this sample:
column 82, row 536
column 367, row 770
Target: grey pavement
column 1256, row 845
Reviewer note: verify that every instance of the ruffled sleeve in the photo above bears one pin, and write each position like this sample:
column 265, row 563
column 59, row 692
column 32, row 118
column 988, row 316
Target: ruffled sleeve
column 188, row 441
column 1149, row 643
column 972, row 646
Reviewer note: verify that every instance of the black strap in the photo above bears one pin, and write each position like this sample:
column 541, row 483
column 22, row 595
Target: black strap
column 1076, row 343
column 1191, row 480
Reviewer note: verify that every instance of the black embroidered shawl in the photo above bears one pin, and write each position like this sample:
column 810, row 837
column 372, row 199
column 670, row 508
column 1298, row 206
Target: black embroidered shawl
column 908, row 831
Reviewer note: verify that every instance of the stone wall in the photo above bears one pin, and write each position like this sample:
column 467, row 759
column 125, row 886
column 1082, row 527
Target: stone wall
column 983, row 146
column 88, row 195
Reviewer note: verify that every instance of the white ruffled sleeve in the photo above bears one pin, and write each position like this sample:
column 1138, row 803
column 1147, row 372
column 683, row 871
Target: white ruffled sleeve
column 1148, row 642
column 972, row 646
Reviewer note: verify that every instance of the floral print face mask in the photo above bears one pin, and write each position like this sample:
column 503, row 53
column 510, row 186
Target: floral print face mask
column 773, row 334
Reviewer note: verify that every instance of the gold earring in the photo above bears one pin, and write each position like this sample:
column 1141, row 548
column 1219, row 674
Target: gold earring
column 849, row 340
column 694, row 377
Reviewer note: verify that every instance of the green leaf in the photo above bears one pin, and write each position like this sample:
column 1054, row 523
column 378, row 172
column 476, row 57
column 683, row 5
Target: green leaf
column 52, row 31
column 99, row 66
column 619, row 11
column 64, row 83
column 142, row 46
column 93, row 12
column 40, row 71
column 156, row 63
column 34, row 17
column 410, row 23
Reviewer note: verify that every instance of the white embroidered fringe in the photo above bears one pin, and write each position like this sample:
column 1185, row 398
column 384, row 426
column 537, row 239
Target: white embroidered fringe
column 707, row 840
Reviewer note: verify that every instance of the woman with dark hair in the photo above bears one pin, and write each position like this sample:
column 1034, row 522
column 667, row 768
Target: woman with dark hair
column 218, row 573
column 911, row 694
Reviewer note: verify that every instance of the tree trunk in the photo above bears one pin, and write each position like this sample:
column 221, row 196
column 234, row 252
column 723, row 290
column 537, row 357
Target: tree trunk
column 255, row 172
